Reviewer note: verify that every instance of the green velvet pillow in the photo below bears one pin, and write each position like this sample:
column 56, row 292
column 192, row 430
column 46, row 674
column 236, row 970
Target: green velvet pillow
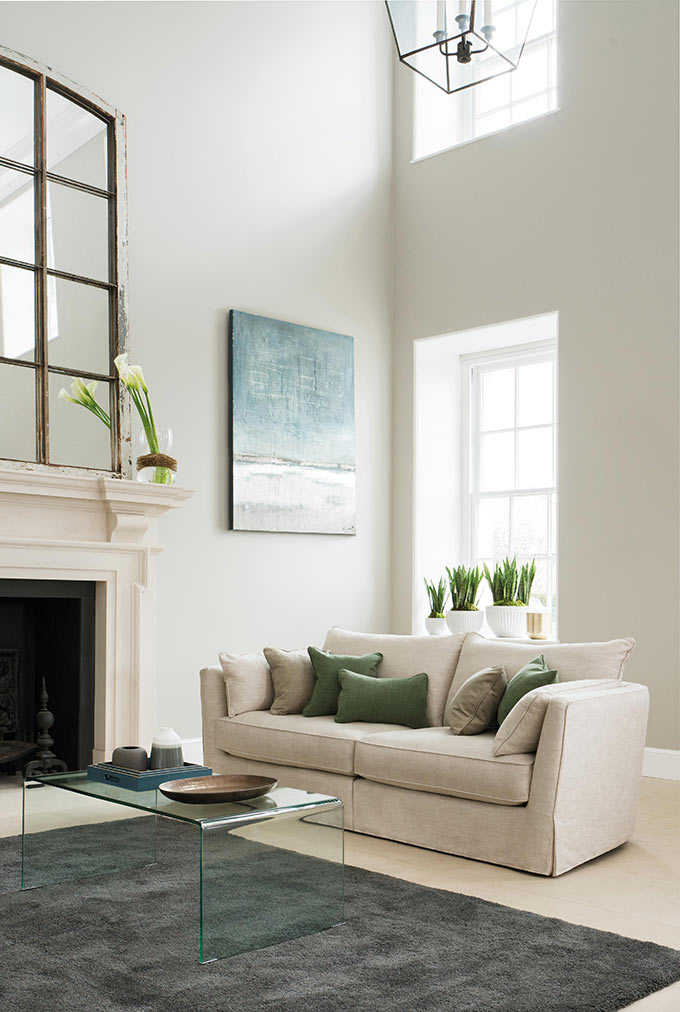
column 324, row 697
column 532, row 676
column 382, row 700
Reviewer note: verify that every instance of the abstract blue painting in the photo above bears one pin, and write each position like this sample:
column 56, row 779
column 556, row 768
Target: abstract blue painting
column 292, row 427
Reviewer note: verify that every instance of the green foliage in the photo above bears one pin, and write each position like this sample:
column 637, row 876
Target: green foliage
column 510, row 586
column 464, row 585
column 437, row 594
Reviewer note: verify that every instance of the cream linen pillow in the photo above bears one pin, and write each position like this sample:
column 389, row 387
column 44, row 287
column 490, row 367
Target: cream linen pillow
column 520, row 732
column 474, row 706
column 293, row 679
column 248, row 681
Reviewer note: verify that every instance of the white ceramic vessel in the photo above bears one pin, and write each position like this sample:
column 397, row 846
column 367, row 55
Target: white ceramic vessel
column 436, row 626
column 464, row 621
column 507, row 621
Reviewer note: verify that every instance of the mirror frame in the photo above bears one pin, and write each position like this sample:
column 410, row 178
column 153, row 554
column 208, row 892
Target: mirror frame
column 121, row 435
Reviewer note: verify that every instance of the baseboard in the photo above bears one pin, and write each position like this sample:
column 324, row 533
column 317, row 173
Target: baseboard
column 662, row 763
column 193, row 750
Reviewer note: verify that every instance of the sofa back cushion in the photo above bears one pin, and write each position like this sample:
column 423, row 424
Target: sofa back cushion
column 571, row 660
column 404, row 656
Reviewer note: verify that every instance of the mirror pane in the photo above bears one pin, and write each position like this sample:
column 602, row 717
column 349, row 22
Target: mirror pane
column 76, row 142
column 17, row 313
column 16, row 116
column 78, row 229
column 17, row 238
column 17, row 412
column 78, row 437
column 78, row 321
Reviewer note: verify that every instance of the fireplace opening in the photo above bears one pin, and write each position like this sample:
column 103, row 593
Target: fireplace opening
column 47, row 633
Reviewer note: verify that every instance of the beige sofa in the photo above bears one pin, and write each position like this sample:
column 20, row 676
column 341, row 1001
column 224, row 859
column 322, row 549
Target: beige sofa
column 543, row 812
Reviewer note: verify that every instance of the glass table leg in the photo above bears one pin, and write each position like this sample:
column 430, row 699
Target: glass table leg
column 278, row 877
column 66, row 836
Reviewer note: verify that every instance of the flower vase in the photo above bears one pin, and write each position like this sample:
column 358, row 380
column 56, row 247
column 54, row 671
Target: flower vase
column 158, row 466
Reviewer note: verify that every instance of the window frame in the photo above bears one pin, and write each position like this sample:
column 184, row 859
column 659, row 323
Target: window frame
column 473, row 365
column 44, row 79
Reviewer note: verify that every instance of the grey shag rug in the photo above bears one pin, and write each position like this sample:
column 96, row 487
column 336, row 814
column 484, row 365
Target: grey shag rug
column 128, row 943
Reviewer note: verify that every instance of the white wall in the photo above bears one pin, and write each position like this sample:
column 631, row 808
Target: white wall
column 576, row 212
column 259, row 173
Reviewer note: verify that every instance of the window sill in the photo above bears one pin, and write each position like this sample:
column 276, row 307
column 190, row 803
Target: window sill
column 484, row 137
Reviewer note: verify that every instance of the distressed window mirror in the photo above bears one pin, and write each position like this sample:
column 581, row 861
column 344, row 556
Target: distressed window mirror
column 63, row 271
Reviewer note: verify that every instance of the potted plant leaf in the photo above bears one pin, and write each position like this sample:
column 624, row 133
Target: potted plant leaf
column 464, row 615
column 511, row 590
column 437, row 594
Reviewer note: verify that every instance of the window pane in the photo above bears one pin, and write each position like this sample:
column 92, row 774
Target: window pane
column 535, row 394
column 553, row 525
column 493, row 527
column 498, row 462
column 536, row 457
column 78, row 317
column 498, row 399
column 529, row 525
column 530, row 109
column 17, row 238
column 76, row 142
column 531, row 76
column 79, row 229
column 539, row 590
column 17, row 412
column 17, row 312
column 16, row 116
column 77, row 436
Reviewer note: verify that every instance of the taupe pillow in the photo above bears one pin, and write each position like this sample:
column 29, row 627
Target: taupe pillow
column 293, row 677
column 474, row 706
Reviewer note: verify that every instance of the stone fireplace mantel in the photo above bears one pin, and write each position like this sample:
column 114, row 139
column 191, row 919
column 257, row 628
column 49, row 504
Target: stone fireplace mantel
column 102, row 529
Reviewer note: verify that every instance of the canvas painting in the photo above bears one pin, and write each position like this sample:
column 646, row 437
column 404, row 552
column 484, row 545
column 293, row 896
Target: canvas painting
column 292, row 427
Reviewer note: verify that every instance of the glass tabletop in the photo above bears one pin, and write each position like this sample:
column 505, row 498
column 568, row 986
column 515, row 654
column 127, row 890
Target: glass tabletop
column 280, row 800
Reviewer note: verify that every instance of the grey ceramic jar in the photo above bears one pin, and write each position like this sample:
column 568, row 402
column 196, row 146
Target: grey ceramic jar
column 130, row 757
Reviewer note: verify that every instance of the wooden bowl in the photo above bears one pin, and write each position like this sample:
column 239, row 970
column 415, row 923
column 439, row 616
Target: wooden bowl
column 217, row 789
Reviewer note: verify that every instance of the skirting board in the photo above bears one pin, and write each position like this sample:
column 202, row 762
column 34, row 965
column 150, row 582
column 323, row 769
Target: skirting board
column 662, row 763
column 192, row 748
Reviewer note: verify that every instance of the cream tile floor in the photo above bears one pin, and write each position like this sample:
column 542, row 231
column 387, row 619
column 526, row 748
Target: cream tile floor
column 633, row 891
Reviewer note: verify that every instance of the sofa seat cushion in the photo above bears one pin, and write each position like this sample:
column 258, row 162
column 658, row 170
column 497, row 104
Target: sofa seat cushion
column 434, row 759
column 315, row 743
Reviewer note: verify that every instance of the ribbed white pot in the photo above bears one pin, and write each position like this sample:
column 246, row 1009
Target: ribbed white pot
column 436, row 626
column 464, row 621
column 506, row 620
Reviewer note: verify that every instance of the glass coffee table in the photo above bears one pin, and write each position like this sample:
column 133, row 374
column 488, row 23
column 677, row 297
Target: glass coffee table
column 269, row 869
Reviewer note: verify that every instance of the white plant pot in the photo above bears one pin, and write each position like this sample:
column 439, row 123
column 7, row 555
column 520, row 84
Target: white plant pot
column 464, row 621
column 436, row 626
column 506, row 620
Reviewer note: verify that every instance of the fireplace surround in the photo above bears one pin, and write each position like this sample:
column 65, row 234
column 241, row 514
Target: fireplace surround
column 56, row 527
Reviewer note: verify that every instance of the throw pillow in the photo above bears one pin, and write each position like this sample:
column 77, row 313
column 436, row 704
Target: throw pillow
column 326, row 667
column 531, row 676
column 293, row 678
column 521, row 730
column 475, row 704
column 382, row 700
column 248, row 681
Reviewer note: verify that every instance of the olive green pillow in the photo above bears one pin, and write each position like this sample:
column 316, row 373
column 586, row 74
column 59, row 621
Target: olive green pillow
column 382, row 700
column 326, row 667
column 532, row 676
column 474, row 706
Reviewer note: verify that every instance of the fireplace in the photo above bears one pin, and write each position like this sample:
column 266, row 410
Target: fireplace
column 47, row 632
column 78, row 586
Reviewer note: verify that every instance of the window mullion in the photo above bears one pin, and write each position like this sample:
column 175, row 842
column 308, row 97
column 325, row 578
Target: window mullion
column 40, row 183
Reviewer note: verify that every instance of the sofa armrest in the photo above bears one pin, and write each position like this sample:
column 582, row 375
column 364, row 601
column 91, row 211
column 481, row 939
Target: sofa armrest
column 587, row 772
column 213, row 706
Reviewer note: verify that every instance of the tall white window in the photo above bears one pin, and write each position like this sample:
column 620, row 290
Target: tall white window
column 512, row 494
column 443, row 121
